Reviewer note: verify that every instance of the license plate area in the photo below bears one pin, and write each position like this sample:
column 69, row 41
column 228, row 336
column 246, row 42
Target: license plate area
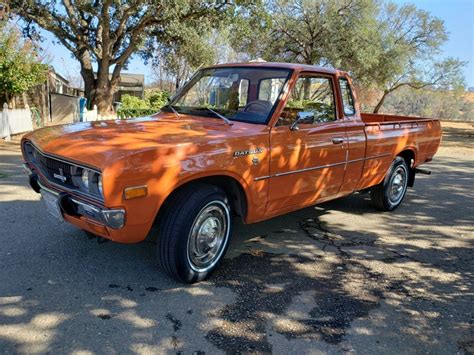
column 52, row 204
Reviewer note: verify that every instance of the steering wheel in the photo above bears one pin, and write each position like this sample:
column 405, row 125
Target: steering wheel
column 258, row 106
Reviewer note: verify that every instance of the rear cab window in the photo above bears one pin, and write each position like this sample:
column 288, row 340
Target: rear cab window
column 347, row 97
column 269, row 89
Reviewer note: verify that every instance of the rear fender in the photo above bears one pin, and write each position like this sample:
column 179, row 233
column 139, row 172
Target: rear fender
column 409, row 155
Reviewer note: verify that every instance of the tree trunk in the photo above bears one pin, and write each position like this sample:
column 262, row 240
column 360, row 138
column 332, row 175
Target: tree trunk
column 88, row 87
column 100, row 93
column 381, row 101
column 87, row 74
column 103, row 100
column 99, row 88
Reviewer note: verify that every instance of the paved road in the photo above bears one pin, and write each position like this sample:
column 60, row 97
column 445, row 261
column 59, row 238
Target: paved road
column 336, row 278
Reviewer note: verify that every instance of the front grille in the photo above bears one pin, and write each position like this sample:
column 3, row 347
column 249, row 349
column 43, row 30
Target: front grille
column 54, row 167
column 62, row 173
column 54, row 170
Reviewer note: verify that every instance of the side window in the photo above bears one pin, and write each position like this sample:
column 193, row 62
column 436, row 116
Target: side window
column 269, row 89
column 311, row 97
column 347, row 98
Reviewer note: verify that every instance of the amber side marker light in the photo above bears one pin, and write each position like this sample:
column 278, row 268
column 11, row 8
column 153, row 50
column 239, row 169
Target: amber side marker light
column 135, row 192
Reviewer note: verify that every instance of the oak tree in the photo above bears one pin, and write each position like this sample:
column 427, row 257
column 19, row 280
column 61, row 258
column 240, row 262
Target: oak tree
column 104, row 34
column 407, row 49
column 385, row 46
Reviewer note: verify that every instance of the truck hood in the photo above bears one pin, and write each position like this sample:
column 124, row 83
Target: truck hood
column 99, row 144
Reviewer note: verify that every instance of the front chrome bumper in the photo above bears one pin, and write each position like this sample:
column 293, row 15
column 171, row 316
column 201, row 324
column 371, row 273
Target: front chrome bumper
column 113, row 218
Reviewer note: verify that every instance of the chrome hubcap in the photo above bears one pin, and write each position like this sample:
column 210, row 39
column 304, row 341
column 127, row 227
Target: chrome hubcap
column 398, row 184
column 208, row 236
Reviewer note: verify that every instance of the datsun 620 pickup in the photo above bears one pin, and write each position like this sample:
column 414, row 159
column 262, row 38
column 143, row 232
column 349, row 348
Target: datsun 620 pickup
column 254, row 140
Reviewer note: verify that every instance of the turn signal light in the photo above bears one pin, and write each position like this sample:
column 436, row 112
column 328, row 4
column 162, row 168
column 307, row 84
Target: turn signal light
column 135, row 192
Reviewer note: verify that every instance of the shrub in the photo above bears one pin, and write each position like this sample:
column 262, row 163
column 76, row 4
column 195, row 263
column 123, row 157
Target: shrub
column 133, row 102
column 156, row 98
column 132, row 106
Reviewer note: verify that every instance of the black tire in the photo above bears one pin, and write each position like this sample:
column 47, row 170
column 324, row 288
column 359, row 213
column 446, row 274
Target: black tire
column 191, row 209
column 99, row 239
column 382, row 195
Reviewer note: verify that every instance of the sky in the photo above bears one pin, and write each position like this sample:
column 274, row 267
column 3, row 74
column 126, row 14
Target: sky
column 458, row 17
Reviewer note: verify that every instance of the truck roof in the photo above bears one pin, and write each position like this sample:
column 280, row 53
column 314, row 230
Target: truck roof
column 292, row 66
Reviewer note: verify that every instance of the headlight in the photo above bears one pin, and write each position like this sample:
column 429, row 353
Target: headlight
column 85, row 179
column 88, row 181
column 99, row 185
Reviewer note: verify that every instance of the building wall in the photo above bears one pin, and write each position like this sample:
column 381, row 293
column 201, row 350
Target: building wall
column 38, row 99
column 64, row 109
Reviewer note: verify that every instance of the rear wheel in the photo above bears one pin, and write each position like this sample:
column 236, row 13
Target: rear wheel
column 194, row 232
column 389, row 194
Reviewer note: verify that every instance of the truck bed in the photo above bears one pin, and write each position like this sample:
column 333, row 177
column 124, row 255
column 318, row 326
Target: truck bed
column 388, row 135
column 371, row 118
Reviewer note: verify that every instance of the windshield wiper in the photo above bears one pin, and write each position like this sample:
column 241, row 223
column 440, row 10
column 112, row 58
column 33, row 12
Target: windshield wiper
column 225, row 119
column 173, row 109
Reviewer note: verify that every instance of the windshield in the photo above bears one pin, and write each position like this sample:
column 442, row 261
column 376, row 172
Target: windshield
column 238, row 93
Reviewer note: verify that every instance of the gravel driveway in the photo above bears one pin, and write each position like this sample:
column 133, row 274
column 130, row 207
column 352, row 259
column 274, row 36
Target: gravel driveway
column 336, row 278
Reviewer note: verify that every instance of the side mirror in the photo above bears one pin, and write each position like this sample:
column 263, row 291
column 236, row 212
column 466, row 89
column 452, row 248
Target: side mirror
column 302, row 117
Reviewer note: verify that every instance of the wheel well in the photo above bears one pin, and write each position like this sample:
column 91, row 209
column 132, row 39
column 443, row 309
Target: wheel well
column 409, row 156
column 229, row 185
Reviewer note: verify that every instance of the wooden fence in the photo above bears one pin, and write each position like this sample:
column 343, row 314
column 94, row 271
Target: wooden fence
column 14, row 121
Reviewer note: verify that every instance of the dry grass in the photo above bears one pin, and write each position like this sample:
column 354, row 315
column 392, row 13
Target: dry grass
column 458, row 136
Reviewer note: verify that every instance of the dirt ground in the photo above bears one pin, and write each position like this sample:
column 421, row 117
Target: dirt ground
column 458, row 135
column 337, row 278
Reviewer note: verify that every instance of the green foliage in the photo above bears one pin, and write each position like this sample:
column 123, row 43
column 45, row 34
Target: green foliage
column 384, row 45
column 307, row 31
column 35, row 112
column 108, row 33
column 124, row 113
column 156, row 98
column 20, row 67
column 133, row 102
column 132, row 106
column 190, row 50
column 407, row 46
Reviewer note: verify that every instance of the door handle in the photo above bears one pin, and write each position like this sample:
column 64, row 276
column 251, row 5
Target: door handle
column 337, row 140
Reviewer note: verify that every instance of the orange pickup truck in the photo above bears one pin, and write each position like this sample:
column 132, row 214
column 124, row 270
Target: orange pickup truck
column 255, row 140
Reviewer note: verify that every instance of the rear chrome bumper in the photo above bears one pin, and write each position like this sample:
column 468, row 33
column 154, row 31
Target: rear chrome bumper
column 112, row 218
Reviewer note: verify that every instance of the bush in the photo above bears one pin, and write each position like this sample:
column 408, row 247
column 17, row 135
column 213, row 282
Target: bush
column 132, row 106
column 156, row 98
column 124, row 113
column 133, row 102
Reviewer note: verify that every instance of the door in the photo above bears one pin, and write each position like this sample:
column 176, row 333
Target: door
column 308, row 147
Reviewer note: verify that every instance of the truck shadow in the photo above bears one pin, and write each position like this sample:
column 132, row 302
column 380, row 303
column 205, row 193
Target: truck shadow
column 295, row 281
column 418, row 258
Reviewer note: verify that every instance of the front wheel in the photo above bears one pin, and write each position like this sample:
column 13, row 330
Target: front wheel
column 195, row 230
column 389, row 194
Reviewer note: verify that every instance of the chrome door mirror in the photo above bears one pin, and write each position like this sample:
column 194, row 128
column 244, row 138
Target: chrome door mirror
column 302, row 117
